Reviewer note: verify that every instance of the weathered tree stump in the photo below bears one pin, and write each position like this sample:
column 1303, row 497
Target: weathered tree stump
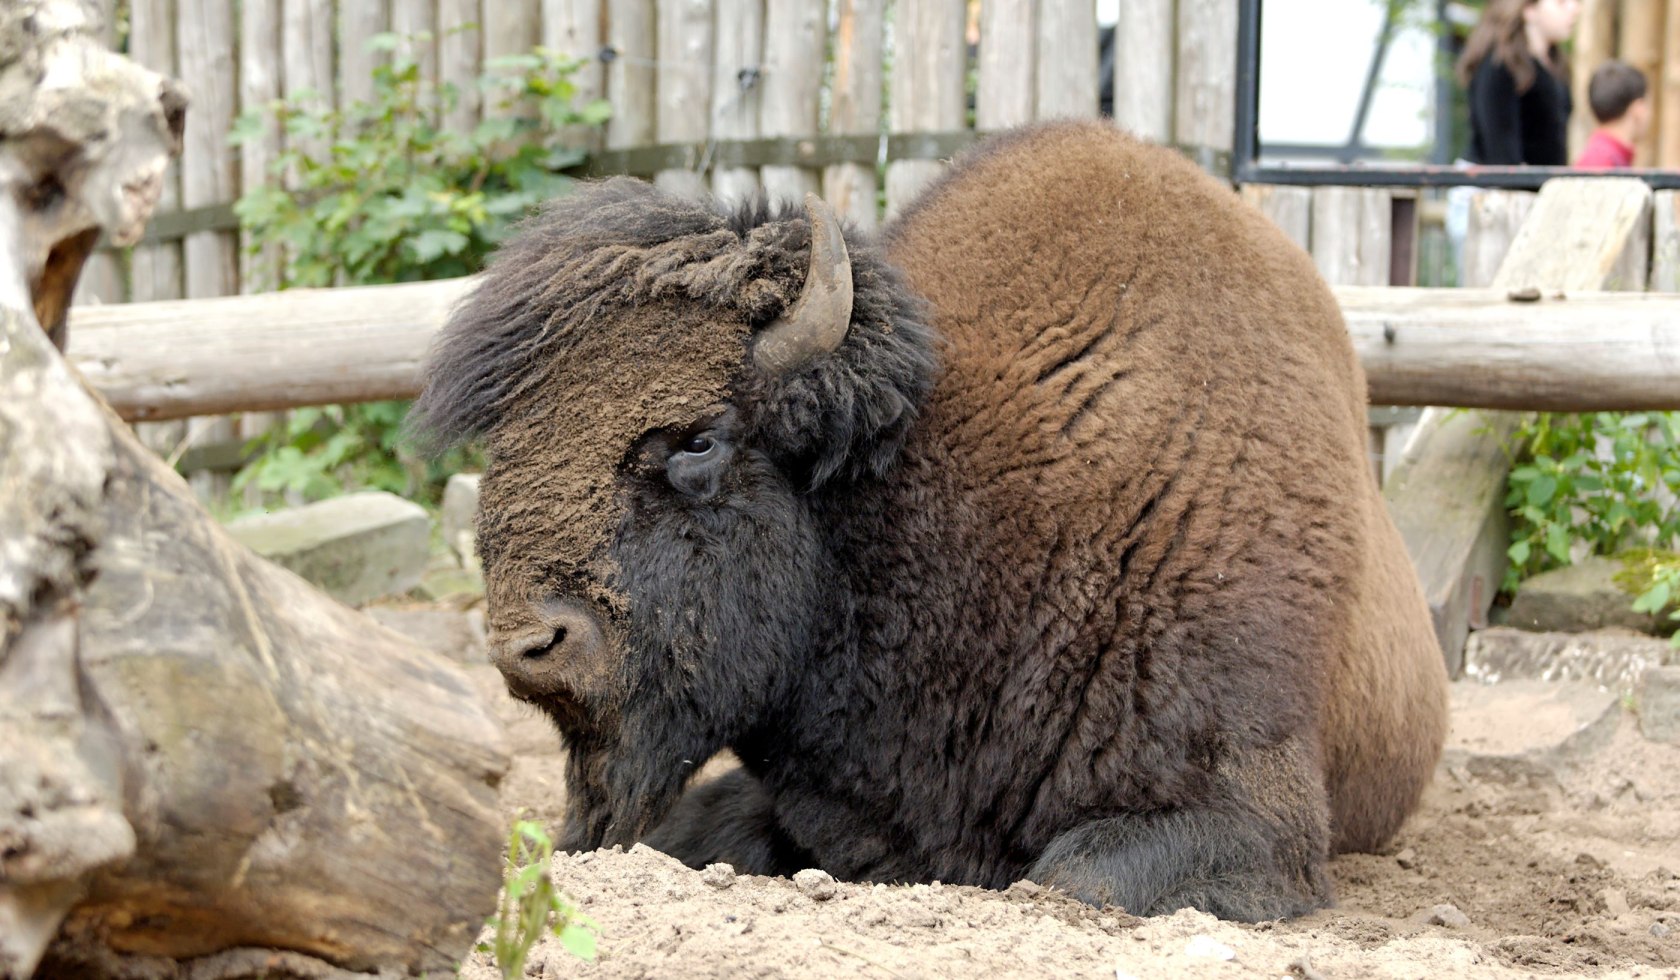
column 207, row 768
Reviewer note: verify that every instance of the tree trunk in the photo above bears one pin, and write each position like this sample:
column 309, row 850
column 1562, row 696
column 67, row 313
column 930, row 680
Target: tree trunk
column 201, row 758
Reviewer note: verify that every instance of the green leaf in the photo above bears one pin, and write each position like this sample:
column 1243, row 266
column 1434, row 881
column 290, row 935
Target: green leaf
column 1541, row 489
column 578, row 941
column 1655, row 599
column 1518, row 553
column 1557, row 543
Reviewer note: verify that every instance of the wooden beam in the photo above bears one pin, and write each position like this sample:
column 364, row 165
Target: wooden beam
column 1447, row 494
column 856, row 106
column 1473, row 348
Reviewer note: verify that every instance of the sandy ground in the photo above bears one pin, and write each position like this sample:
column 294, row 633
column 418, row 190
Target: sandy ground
column 1548, row 845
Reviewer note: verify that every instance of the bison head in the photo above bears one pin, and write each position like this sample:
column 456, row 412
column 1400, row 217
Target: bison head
column 666, row 392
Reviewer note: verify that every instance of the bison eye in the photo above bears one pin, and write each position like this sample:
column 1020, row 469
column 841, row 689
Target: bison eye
column 697, row 445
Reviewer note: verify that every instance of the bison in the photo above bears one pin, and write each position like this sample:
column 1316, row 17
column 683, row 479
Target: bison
column 1036, row 539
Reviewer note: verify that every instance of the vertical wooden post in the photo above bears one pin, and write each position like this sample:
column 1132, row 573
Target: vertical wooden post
column 1066, row 66
column 205, row 43
column 1666, row 122
column 1351, row 232
column 856, row 106
column 795, row 41
column 1206, row 98
column 409, row 20
column 460, row 60
column 259, row 85
column 684, row 84
column 1144, row 69
column 929, row 55
column 155, row 270
column 510, row 28
column 738, row 85
column 1641, row 45
column 1665, row 243
column 307, row 56
column 630, row 76
column 101, row 280
column 1007, row 90
column 357, row 24
column 1595, row 43
column 1290, row 208
column 574, row 28
column 1494, row 218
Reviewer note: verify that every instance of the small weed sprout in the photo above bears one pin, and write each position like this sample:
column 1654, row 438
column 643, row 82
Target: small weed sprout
column 531, row 905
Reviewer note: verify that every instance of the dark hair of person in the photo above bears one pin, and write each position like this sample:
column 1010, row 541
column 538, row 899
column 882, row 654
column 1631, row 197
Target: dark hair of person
column 1614, row 86
column 1500, row 34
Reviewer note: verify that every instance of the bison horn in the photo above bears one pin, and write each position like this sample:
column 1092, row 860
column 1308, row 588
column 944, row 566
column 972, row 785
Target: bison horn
column 817, row 322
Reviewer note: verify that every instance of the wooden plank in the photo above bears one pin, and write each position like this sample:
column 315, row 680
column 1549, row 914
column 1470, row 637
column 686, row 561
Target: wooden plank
column 511, row 27
column 1290, row 208
column 1351, row 234
column 1592, row 351
column 738, row 85
column 575, row 28
column 1447, row 495
column 855, row 108
column 684, row 85
column 416, row 21
column 205, row 49
column 795, row 42
column 1403, row 251
column 156, row 269
column 1006, row 93
column 1144, row 71
column 929, row 58
column 1640, row 44
column 1494, row 217
column 461, row 60
column 1665, row 244
column 358, row 22
column 1594, row 44
column 1205, row 98
column 101, row 278
column 1666, row 120
column 1066, row 65
column 630, row 78
column 259, row 85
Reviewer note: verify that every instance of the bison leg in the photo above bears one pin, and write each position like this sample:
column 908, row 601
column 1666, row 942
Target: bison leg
column 1258, row 853
column 729, row 820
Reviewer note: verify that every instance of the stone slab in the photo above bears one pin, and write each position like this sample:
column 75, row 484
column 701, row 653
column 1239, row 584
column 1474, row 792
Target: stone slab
column 1582, row 596
column 458, row 635
column 1658, row 703
column 1613, row 659
column 1531, row 719
column 355, row 548
column 460, row 511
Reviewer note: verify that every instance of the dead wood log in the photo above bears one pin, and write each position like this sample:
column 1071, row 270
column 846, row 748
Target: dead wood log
column 203, row 760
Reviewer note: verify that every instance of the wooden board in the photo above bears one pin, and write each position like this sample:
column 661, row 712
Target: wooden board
column 1143, row 69
column 1665, row 242
column 856, row 106
column 630, row 76
column 927, row 87
column 684, row 85
column 1006, row 86
column 1351, row 234
column 1290, row 208
column 1066, row 62
column 460, row 60
column 1447, row 494
column 1640, row 44
column 358, row 22
column 738, row 86
column 1594, row 44
column 1491, row 227
column 1205, row 100
column 795, row 46
column 575, row 28
column 409, row 20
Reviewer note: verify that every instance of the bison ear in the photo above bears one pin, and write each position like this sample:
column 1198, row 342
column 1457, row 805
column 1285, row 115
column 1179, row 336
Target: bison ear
column 817, row 321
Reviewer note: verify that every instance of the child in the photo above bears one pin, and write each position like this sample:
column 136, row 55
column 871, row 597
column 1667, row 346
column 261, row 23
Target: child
column 1617, row 96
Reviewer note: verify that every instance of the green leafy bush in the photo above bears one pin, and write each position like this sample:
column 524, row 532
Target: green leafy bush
column 530, row 905
column 382, row 192
column 1605, row 479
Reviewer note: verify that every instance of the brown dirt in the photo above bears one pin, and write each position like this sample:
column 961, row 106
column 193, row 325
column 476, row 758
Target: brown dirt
column 1564, row 861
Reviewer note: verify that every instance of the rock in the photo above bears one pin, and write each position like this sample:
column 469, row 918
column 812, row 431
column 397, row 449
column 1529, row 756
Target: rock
column 1659, row 930
column 1615, row 901
column 1530, row 718
column 456, row 635
column 1613, row 658
column 1578, row 597
column 1407, row 858
column 815, row 883
column 1658, row 702
column 1448, row 916
column 357, row 547
column 718, row 875
column 460, row 510
column 1207, row 947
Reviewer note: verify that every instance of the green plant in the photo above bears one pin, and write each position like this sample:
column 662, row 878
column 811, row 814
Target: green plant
column 1653, row 576
column 382, row 192
column 1605, row 479
column 530, row 905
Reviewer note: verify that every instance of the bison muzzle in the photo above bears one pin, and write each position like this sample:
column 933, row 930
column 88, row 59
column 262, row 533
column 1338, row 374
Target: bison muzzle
column 1035, row 539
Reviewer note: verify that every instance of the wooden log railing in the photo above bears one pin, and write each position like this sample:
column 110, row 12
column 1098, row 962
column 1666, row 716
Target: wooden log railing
column 1473, row 348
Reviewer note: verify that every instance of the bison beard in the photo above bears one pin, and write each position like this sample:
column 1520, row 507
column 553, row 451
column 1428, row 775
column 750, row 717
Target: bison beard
column 1036, row 540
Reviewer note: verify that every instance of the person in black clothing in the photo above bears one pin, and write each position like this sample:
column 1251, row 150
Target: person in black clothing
column 1519, row 82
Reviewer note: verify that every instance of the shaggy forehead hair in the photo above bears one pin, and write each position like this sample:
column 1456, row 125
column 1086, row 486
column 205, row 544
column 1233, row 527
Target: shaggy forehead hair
column 612, row 246
column 622, row 245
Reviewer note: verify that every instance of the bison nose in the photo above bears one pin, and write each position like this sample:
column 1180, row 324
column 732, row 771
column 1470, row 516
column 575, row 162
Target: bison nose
column 565, row 641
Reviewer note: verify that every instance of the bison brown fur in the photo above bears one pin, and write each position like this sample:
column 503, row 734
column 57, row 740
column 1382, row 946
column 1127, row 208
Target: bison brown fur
column 1058, row 556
